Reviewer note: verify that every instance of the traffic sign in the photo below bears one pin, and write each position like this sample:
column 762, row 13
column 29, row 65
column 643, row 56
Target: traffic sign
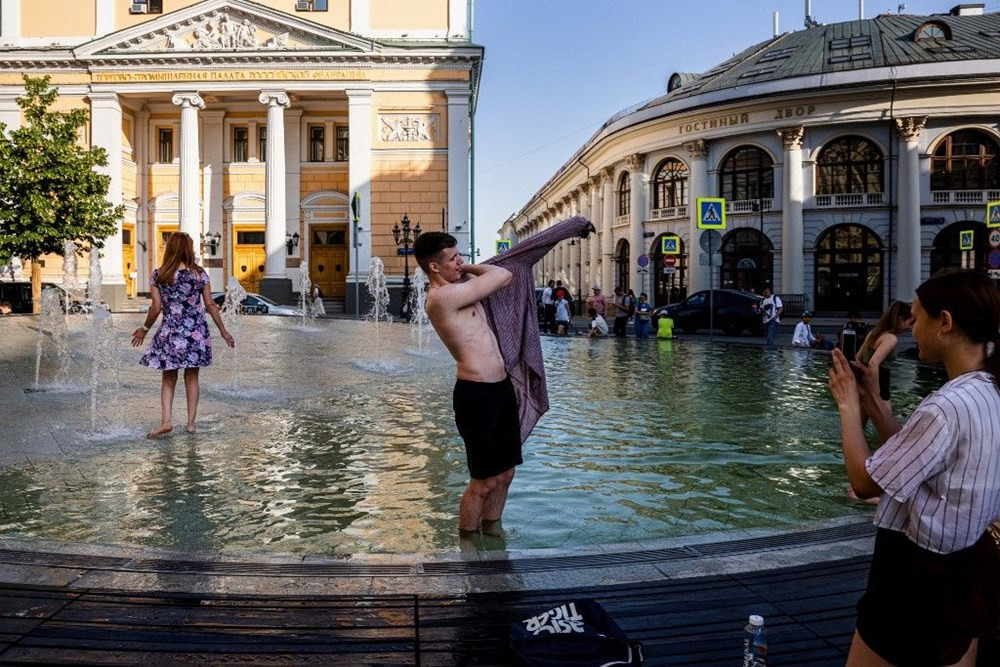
column 993, row 259
column 669, row 270
column 502, row 245
column 642, row 261
column 966, row 239
column 994, row 274
column 712, row 213
column 995, row 238
column 669, row 260
column 993, row 214
column 670, row 245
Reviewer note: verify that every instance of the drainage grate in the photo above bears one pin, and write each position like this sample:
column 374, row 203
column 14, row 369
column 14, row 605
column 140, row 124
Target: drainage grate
column 523, row 565
column 786, row 540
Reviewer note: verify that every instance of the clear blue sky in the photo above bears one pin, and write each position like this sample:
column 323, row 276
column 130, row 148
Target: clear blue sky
column 555, row 70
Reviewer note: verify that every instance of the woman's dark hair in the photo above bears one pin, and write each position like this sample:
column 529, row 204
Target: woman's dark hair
column 428, row 246
column 974, row 304
column 899, row 311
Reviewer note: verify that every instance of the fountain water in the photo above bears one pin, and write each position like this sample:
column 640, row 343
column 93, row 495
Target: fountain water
column 95, row 280
column 418, row 307
column 52, row 324
column 305, row 286
column 104, row 356
column 232, row 315
column 379, row 292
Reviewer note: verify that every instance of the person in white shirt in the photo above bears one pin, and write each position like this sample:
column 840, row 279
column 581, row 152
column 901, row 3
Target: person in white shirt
column 548, row 325
column 804, row 336
column 562, row 316
column 934, row 585
column 598, row 325
column 770, row 309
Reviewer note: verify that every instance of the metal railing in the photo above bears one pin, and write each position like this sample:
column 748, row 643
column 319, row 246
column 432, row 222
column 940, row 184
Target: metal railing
column 748, row 205
column 669, row 213
column 965, row 196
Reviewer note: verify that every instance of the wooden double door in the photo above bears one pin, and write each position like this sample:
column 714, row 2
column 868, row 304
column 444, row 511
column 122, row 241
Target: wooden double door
column 329, row 259
column 249, row 257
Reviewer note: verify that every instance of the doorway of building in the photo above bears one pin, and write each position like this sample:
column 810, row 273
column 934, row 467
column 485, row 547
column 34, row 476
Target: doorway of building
column 849, row 262
column 747, row 260
column 129, row 269
column 249, row 256
column 163, row 234
column 947, row 252
column 669, row 273
column 328, row 259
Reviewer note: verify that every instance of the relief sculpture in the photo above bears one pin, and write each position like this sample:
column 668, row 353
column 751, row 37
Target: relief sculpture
column 226, row 33
column 409, row 128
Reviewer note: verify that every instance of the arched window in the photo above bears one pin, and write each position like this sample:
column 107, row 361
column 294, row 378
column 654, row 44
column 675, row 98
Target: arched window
column 849, row 165
column 932, row 30
column 747, row 173
column 747, row 260
column 670, row 184
column 849, row 269
column 947, row 252
column 623, row 265
column 624, row 194
column 669, row 273
column 965, row 160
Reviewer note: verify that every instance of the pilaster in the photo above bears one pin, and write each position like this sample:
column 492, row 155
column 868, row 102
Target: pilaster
column 190, row 202
column 697, row 265
column 275, row 283
column 106, row 132
column 908, row 197
column 359, row 181
column 792, row 280
column 458, row 169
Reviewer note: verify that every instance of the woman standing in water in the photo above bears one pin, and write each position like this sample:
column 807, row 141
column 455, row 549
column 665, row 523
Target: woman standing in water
column 181, row 291
column 934, row 583
column 880, row 343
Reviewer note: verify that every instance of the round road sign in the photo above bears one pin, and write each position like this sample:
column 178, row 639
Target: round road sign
column 669, row 260
column 995, row 238
column 993, row 259
column 643, row 261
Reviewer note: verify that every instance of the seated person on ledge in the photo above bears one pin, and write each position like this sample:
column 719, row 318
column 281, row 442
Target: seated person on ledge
column 804, row 336
column 598, row 325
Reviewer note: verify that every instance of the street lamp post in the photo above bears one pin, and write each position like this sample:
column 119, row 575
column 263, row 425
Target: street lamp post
column 403, row 236
column 579, row 277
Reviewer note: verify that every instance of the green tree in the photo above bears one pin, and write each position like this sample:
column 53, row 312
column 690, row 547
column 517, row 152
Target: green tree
column 50, row 192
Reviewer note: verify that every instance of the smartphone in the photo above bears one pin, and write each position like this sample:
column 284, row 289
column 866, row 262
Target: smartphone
column 849, row 343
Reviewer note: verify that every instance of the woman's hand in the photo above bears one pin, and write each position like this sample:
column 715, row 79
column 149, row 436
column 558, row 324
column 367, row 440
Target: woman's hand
column 843, row 386
column 228, row 337
column 138, row 336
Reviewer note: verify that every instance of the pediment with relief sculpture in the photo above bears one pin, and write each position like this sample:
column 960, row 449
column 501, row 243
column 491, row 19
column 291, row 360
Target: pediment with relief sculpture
column 225, row 26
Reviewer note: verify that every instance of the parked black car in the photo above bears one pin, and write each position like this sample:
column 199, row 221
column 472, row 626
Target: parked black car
column 735, row 312
column 18, row 293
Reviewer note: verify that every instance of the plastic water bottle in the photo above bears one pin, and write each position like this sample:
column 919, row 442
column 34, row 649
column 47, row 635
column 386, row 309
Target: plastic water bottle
column 754, row 643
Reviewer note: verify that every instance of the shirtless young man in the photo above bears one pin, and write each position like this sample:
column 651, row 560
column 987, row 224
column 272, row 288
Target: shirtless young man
column 486, row 411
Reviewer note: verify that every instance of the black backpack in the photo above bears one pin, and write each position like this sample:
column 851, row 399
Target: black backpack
column 575, row 634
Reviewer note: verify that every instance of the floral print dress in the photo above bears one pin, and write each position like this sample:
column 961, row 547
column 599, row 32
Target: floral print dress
column 182, row 340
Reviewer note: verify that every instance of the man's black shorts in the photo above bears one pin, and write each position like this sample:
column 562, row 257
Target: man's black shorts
column 487, row 418
column 924, row 608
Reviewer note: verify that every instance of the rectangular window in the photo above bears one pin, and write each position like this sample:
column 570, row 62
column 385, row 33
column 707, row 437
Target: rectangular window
column 241, row 144
column 311, row 5
column 317, row 141
column 146, row 7
column 249, row 238
column 343, row 144
column 262, row 143
column 166, row 144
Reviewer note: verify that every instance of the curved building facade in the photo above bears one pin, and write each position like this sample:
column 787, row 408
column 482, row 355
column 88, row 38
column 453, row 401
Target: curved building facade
column 853, row 160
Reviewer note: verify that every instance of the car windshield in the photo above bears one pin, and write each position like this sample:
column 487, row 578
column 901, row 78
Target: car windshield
column 263, row 299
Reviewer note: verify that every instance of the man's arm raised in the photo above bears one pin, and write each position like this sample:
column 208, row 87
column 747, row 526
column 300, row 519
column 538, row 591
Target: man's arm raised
column 485, row 280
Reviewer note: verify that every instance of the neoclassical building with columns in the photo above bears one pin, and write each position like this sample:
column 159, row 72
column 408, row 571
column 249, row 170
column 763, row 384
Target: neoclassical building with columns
column 854, row 160
column 252, row 126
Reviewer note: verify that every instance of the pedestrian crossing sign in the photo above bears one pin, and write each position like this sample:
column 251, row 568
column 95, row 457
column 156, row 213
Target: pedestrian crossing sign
column 502, row 245
column 670, row 245
column 967, row 239
column 993, row 214
column 711, row 213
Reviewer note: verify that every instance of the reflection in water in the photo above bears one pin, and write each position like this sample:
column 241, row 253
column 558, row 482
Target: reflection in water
column 645, row 439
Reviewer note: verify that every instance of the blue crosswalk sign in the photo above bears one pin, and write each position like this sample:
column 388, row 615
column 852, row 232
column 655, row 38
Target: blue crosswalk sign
column 670, row 245
column 966, row 240
column 502, row 245
column 993, row 214
column 711, row 213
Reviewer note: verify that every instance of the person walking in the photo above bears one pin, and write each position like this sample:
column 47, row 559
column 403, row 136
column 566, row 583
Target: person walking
column 621, row 305
column 549, row 307
column 643, row 313
column 934, row 581
column 180, row 290
column 770, row 309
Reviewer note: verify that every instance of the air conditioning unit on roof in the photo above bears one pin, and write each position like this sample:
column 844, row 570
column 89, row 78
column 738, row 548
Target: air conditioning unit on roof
column 303, row 5
column 139, row 8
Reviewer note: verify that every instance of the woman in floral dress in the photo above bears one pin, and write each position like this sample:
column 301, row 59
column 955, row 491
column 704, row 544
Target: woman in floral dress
column 180, row 290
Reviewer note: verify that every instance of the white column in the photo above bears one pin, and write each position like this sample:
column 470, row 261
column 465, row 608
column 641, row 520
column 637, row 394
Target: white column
column 585, row 211
column 458, row 19
column 360, row 176
column 10, row 22
column 105, row 17
column 190, row 202
column 637, row 205
column 360, row 20
column 607, row 242
column 594, row 239
column 275, row 224
column 10, row 113
column 908, row 196
column 458, row 169
column 697, row 272
column 142, row 233
column 562, row 257
column 106, row 132
column 792, row 268
column 215, row 139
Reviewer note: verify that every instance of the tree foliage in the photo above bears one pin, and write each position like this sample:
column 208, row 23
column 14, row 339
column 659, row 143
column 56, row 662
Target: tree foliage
column 50, row 192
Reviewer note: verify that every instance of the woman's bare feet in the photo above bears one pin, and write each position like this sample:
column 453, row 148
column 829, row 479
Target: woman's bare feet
column 162, row 429
column 190, row 428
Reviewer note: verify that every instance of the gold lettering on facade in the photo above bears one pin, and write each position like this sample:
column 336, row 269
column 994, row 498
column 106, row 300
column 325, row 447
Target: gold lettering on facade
column 794, row 112
column 234, row 75
column 713, row 123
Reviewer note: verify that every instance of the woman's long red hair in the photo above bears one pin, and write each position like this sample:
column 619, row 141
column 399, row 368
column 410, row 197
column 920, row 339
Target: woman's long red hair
column 180, row 250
